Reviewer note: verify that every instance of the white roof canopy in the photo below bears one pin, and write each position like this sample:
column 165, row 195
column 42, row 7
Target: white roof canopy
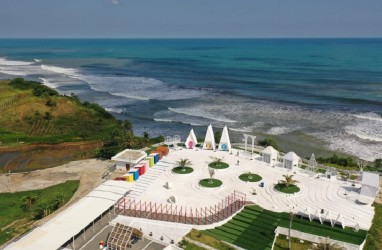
column 270, row 151
column 57, row 231
column 225, row 142
column 291, row 156
column 370, row 179
column 209, row 141
column 191, row 140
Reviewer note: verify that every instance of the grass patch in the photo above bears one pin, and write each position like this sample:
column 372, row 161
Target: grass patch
column 374, row 237
column 288, row 190
column 253, row 228
column 199, row 236
column 282, row 243
column 181, row 170
column 250, row 177
column 17, row 214
column 218, row 165
column 184, row 244
column 210, row 183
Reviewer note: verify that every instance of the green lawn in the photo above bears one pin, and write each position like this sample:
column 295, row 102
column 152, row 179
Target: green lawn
column 250, row 177
column 181, row 170
column 210, row 184
column 253, row 228
column 282, row 243
column 374, row 238
column 218, row 165
column 199, row 236
column 288, row 190
column 16, row 219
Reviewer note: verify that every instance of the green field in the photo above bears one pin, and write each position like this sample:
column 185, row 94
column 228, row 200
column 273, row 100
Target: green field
column 181, row 170
column 210, row 184
column 250, row 177
column 19, row 210
column 374, row 238
column 218, row 165
column 253, row 228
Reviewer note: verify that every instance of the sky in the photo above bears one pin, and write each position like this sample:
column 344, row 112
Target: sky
column 190, row 18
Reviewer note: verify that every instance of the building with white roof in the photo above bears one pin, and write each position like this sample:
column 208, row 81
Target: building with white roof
column 291, row 160
column 128, row 158
column 369, row 184
column 270, row 155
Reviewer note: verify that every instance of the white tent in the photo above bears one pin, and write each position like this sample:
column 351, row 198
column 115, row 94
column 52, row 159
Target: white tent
column 191, row 140
column 270, row 155
column 209, row 141
column 225, row 142
column 291, row 160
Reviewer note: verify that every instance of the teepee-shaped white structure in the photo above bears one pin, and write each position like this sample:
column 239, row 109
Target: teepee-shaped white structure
column 209, row 141
column 225, row 142
column 191, row 140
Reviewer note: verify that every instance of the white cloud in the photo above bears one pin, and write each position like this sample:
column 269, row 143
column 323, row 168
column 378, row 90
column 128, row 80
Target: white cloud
column 115, row 1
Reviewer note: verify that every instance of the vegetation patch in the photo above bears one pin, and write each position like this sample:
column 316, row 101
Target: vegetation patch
column 291, row 189
column 210, row 183
column 250, row 177
column 254, row 227
column 182, row 170
column 218, row 165
column 199, row 236
column 374, row 237
column 19, row 210
column 282, row 243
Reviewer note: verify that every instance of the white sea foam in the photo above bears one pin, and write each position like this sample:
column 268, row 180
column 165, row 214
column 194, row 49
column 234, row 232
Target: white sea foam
column 280, row 130
column 12, row 72
column 60, row 70
column 48, row 83
column 115, row 110
column 245, row 130
column 369, row 116
column 37, row 60
column 5, row 62
column 200, row 112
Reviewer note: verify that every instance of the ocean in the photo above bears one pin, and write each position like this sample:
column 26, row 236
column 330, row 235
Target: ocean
column 323, row 91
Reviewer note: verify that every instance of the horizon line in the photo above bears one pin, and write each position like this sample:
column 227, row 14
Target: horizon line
column 190, row 38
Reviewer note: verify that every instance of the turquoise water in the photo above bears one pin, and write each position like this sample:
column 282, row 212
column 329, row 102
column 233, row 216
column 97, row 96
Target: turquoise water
column 330, row 89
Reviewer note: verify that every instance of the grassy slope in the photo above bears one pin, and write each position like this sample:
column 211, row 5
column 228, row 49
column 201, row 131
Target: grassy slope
column 22, row 118
column 253, row 228
column 374, row 238
column 14, row 220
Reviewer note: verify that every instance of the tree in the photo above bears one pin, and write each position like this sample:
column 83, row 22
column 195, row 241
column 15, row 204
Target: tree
column 217, row 161
column 126, row 124
column 378, row 164
column 211, row 171
column 217, row 136
column 43, row 209
column 269, row 142
column 183, row 163
column 28, row 201
column 288, row 180
column 325, row 244
column 61, row 198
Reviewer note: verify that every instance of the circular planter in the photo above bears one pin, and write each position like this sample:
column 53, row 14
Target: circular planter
column 292, row 189
column 181, row 170
column 220, row 165
column 250, row 177
column 207, row 183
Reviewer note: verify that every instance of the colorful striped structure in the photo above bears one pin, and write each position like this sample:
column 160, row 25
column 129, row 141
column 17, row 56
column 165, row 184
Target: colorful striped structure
column 150, row 159
column 135, row 173
column 156, row 157
column 141, row 169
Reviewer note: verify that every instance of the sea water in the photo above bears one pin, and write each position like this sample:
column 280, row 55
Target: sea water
column 326, row 89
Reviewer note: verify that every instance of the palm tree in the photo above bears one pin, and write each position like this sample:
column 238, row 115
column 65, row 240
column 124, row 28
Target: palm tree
column 211, row 171
column 288, row 180
column 28, row 201
column 217, row 161
column 183, row 163
column 325, row 244
column 60, row 198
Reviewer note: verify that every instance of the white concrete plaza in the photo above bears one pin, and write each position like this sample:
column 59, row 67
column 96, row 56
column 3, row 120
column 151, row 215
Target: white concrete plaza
column 316, row 194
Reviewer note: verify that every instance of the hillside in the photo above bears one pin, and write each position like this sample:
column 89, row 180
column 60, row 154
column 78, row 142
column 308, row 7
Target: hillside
column 33, row 113
column 40, row 128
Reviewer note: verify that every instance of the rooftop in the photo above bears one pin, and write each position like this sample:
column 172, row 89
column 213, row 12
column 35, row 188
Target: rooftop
column 130, row 155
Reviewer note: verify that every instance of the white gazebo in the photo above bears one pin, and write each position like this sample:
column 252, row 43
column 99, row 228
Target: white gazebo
column 128, row 158
column 291, row 160
column 225, row 142
column 209, row 141
column 191, row 140
column 270, row 155
column 369, row 186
